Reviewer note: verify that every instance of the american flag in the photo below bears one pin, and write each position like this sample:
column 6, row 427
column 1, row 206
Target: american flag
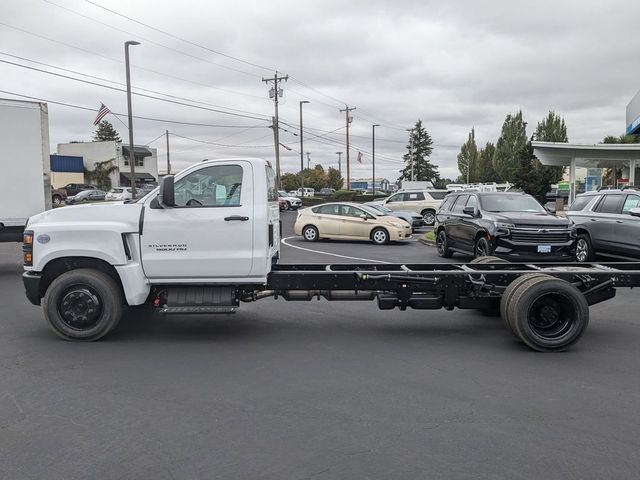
column 359, row 157
column 101, row 114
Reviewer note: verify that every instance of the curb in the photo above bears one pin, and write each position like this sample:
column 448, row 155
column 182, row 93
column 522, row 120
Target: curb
column 429, row 243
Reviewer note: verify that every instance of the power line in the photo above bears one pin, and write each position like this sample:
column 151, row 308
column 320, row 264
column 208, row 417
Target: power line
column 221, row 144
column 179, row 38
column 163, row 120
column 135, row 93
column 114, row 82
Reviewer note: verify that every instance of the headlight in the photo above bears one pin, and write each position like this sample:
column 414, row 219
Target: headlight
column 504, row 225
column 397, row 225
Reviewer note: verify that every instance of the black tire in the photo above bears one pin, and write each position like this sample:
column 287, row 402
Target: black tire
column 489, row 259
column 481, row 248
column 287, row 205
column 548, row 314
column 584, row 249
column 380, row 236
column 57, row 200
column 429, row 217
column 310, row 233
column 83, row 305
column 441, row 245
column 509, row 291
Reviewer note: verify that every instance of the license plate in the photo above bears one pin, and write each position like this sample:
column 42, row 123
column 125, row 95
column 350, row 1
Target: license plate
column 544, row 248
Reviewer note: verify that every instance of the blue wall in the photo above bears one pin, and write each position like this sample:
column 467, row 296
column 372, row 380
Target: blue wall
column 66, row 163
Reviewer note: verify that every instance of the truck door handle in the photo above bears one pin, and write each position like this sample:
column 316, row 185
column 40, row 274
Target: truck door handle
column 236, row 218
column 592, row 219
column 619, row 221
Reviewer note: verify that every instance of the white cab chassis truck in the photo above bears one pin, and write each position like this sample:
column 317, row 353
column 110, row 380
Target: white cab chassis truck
column 209, row 239
column 25, row 183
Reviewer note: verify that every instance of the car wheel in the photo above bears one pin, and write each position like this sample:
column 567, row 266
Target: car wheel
column 429, row 217
column 481, row 248
column 441, row 245
column 57, row 200
column 380, row 236
column 310, row 233
column 584, row 250
column 83, row 305
column 287, row 206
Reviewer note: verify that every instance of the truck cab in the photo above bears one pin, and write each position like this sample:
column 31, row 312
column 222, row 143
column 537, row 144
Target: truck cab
column 200, row 236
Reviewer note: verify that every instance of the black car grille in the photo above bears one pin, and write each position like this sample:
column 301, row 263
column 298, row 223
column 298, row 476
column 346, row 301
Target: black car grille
column 534, row 236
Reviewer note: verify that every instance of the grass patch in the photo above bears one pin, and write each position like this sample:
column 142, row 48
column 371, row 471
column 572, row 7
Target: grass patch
column 431, row 236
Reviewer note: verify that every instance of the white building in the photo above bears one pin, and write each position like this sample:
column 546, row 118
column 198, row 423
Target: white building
column 146, row 159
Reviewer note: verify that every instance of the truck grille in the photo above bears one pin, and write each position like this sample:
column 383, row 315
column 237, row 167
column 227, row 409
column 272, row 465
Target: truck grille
column 534, row 236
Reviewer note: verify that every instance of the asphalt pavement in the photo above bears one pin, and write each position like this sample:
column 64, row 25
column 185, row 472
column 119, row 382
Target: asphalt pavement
column 316, row 390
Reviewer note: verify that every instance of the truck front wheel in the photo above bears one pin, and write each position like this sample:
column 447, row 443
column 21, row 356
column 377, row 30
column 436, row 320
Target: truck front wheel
column 83, row 305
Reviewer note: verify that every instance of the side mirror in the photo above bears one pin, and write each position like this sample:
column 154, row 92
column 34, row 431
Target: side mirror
column 166, row 196
column 635, row 212
column 469, row 211
column 363, row 216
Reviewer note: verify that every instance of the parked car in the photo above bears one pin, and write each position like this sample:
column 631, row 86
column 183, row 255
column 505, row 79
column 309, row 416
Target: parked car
column 505, row 224
column 75, row 188
column 412, row 219
column 142, row 190
column 58, row 195
column 303, row 192
column 607, row 223
column 119, row 193
column 326, row 192
column 424, row 202
column 288, row 202
column 86, row 196
column 350, row 221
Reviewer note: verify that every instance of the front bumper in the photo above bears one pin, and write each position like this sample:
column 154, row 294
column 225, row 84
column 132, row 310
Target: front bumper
column 399, row 234
column 31, row 281
column 528, row 252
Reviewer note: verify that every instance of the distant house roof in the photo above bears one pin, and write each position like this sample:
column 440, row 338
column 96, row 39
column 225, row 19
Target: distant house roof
column 138, row 151
column 66, row 163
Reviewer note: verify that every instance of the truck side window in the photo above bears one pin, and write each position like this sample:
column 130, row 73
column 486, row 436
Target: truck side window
column 214, row 186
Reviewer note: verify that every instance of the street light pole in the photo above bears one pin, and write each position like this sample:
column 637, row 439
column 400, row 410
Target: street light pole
column 339, row 162
column 373, row 156
column 301, row 143
column 130, row 115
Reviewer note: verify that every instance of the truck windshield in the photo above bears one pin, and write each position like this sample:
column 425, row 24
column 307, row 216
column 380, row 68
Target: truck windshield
column 511, row 203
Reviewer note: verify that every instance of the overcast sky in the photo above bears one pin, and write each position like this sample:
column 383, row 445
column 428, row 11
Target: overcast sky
column 454, row 65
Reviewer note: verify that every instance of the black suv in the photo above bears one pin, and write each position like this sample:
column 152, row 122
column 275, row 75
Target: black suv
column 505, row 224
column 608, row 223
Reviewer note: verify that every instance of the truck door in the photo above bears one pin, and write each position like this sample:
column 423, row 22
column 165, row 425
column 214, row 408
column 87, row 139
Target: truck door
column 208, row 235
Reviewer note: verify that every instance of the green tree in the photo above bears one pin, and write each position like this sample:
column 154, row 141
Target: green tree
column 105, row 131
column 334, row 179
column 485, row 171
column 550, row 129
column 510, row 145
column 100, row 175
column 621, row 139
column 290, row 181
column 423, row 169
column 468, row 159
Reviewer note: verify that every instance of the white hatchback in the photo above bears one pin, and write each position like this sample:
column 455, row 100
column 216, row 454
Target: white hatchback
column 119, row 193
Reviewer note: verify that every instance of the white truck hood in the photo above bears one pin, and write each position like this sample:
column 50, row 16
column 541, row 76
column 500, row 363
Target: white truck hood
column 124, row 217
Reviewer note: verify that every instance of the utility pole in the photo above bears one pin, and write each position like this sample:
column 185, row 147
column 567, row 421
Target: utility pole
column 301, row 143
column 373, row 156
column 275, row 92
column 168, row 157
column 339, row 162
column 346, row 111
column 308, row 160
column 132, row 157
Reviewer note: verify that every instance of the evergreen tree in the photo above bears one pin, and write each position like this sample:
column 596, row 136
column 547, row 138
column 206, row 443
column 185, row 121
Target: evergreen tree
column 512, row 142
column 105, row 131
column 550, row 129
column 334, row 179
column 423, row 169
column 485, row 170
column 468, row 159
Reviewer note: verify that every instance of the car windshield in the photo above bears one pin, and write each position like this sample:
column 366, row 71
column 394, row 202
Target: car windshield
column 511, row 203
column 282, row 193
column 372, row 211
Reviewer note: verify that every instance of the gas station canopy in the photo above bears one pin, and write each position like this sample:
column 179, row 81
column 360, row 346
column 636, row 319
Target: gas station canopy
column 601, row 155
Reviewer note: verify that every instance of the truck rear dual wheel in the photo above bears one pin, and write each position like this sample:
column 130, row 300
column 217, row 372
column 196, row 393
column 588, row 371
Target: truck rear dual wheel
column 548, row 314
column 83, row 305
